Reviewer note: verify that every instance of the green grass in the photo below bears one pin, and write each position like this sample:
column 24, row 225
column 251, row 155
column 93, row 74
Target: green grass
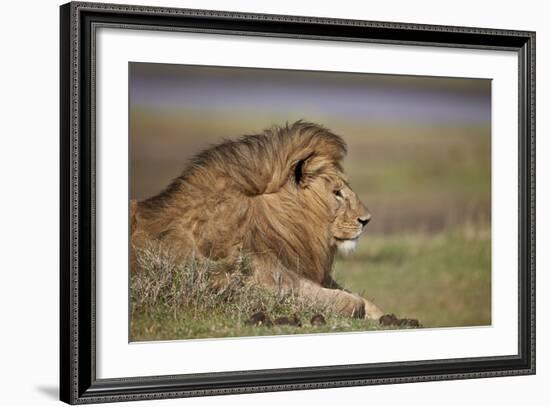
column 443, row 280
column 163, row 325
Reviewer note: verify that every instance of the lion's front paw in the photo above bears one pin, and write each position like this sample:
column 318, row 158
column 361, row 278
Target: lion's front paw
column 351, row 306
column 371, row 311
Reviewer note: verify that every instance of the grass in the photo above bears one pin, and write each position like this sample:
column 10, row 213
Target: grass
column 442, row 280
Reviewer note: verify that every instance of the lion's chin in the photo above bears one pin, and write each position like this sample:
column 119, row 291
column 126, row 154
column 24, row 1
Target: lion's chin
column 346, row 246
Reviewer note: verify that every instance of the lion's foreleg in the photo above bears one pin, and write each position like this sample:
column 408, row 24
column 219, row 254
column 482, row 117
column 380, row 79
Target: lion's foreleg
column 271, row 274
column 345, row 302
column 371, row 310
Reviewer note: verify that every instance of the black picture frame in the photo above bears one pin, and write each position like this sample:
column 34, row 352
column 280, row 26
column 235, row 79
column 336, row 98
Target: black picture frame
column 78, row 382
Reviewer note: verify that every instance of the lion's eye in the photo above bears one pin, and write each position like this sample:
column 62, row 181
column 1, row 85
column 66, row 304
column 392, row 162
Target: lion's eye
column 338, row 193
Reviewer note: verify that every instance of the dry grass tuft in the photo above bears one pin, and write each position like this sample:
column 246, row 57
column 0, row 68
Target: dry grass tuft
column 163, row 284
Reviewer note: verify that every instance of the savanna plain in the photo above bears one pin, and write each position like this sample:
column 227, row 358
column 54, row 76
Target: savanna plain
column 425, row 255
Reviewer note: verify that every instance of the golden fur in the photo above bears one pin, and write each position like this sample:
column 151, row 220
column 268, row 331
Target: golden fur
column 280, row 196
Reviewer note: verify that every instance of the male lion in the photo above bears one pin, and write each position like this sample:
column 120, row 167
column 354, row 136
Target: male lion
column 281, row 197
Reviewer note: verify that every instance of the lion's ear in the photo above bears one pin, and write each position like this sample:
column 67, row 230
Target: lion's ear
column 301, row 175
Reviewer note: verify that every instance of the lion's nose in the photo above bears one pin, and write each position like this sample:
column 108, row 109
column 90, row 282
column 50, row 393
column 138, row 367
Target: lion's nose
column 364, row 220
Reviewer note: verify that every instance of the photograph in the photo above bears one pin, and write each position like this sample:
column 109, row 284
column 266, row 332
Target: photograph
column 287, row 202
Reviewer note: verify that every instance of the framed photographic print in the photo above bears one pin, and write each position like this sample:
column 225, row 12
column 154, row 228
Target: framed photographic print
column 256, row 203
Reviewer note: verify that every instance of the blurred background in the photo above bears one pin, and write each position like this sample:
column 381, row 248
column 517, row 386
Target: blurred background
column 419, row 158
